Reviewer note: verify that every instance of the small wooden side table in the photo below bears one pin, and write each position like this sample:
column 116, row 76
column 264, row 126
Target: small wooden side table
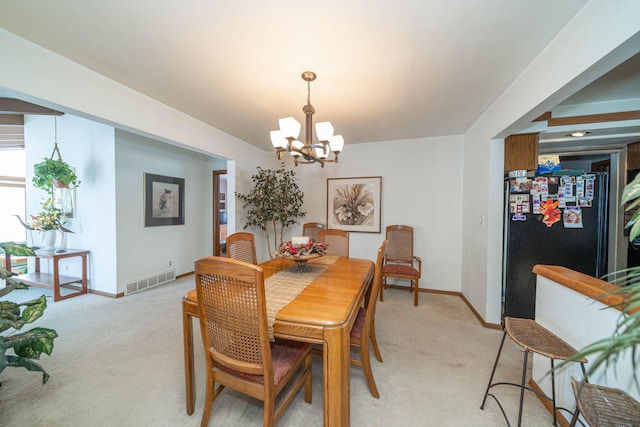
column 55, row 281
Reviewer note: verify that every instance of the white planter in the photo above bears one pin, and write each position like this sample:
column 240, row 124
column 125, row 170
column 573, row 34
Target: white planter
column 49, row 240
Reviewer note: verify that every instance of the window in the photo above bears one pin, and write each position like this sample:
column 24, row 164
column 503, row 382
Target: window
column 12, row 195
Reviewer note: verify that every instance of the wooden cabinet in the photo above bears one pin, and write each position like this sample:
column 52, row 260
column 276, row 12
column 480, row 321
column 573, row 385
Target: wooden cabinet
column 633, row 156
column 521, row 152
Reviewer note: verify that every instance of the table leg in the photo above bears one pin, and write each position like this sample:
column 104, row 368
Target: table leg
column 84, row 273
column 336, row 376
column 56, row 280
column 187, row 336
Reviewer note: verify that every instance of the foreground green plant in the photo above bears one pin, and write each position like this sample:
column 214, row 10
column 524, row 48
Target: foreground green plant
column 626, row 335
column 26, row 346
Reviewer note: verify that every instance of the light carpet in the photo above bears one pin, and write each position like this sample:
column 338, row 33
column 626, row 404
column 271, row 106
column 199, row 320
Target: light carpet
column 119, row 362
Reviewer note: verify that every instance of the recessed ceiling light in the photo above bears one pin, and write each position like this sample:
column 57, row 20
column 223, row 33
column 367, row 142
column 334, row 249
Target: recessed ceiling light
column 579, row 134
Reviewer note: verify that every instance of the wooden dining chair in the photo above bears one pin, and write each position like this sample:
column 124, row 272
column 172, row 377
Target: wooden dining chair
column 400, row 263
column 242, row 246
column 239, row 354
column 363, row 331
column 311, row 229
column 337, row 241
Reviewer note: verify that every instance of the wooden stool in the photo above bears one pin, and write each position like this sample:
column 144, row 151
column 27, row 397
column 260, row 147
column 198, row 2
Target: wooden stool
column 533, row 338
column 604, row 406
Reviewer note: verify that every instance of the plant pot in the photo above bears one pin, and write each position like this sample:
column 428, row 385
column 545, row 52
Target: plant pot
column 59, row 184
column 49, row 240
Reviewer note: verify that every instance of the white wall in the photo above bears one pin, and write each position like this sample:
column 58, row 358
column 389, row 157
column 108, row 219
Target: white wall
column 580, row 321
column 144, row 251
column 599, row 38
column 421, row 187
column 89, row 148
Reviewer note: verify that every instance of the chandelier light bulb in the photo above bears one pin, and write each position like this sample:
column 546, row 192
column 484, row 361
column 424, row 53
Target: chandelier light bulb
column 290, row 127
column 337, row 143
column 278, row 140
column 324, row 130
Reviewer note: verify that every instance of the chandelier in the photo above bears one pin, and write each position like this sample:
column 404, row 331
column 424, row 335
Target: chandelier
column 286, row 138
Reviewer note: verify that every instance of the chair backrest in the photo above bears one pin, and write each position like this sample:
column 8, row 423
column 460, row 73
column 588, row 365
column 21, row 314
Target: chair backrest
column 233, row 314
column 374, row 289
column 336, row 240
column 400, row 250
column 242, row 246
column 311, row 229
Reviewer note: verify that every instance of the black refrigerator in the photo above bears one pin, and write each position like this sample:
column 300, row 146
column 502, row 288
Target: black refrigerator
column 556, row 220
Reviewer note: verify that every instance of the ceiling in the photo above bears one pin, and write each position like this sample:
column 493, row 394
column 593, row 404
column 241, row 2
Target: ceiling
column 387, row 70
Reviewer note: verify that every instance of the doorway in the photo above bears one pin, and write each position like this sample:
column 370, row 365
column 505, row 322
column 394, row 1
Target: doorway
column 219, row 212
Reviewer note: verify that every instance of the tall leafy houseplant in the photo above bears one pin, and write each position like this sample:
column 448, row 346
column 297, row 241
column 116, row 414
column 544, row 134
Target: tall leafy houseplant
column 274, row 203
column 26, row 346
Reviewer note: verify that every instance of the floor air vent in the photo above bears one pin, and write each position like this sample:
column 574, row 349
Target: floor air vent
column 149, row 282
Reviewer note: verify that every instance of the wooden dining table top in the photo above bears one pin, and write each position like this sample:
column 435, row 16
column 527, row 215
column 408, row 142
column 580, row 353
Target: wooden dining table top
column 330, row 299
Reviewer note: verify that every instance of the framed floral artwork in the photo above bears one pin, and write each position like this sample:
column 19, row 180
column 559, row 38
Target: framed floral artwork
column 353, row 204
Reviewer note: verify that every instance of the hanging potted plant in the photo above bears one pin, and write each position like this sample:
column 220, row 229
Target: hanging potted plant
column 54, row 173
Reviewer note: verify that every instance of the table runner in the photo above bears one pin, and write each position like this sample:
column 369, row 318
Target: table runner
column 284, row 286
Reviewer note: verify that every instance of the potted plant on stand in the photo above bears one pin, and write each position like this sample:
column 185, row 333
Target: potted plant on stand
column 48, row 221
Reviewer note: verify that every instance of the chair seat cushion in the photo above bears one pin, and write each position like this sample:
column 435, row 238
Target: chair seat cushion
column 192, row 296
column 358, row 326
column 399, row 269
column 285, row 355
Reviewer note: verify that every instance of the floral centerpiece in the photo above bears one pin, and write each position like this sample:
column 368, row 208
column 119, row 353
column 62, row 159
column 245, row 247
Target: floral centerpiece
column 301, row 249
column 49, row 218
column 48, row 221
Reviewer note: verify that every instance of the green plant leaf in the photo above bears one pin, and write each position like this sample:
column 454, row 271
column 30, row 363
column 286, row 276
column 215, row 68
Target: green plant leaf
column 33, row 309
column 32, row 343
column 275, row 200
column 17, row 249
column 11, row 284
column 26, row 345
column 49, row 169
column 21, row 362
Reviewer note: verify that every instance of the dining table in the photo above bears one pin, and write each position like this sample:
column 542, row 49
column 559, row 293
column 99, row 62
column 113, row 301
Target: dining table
column 322, row 313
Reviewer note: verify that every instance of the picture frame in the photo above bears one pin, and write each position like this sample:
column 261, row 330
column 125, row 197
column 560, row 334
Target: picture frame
column 163, row 200
column 354, row 204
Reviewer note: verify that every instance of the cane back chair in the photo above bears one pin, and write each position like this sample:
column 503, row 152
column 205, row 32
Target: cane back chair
column 242, row 246
column 336, row 240
column 311, row 229
column 400, row 263
column 239, row 354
